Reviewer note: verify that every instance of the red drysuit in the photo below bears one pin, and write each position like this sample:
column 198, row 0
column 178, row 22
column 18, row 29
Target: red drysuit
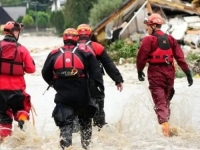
column 160, row 76
column 14, row 101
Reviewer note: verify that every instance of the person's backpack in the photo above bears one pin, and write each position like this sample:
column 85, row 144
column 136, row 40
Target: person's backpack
column 163, row 53
column 69, row 64
column 88, row 43
column 10, row 59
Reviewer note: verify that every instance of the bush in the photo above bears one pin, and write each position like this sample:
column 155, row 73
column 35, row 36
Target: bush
column 42, row 19
column 193, row 60
column 32, row 14
column 57, row 21
column 179, row 73
column 102, row 9
column 192, row 57
column 122, row 49
column 28, row 21
column 19, row 19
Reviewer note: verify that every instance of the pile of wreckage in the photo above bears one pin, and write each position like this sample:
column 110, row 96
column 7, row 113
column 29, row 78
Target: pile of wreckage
column 186, row 30
column 182, row 21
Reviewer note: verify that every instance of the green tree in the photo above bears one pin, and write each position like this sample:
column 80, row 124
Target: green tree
column 12, row 3
column 52, row 18
column 19, row 19
column 42, row 19
column 44, row 1
column 77, row 12
column 102, row 9
column 57, row 21
column 32, row 14
column 28, row 21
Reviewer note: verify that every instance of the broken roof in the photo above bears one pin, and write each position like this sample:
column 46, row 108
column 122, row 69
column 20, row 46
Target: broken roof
column 105, row 21
column 15, row 12
column 133, row 5
column 4, row 17
column 174, row 6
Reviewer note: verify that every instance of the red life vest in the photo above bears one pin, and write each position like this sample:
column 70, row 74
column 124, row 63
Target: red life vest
column 86, row 46
column 10, row 60
column 69, row 64
column 163, row 53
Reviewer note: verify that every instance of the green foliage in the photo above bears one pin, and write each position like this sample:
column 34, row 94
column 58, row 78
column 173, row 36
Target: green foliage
column 44, row 1
column 52, row 18
column 28, row 21
column 57, row 21
column 19, row 19
column 191, row 57
column 12, row 3
column 42, row 19
column 32, row 14
column 179, row 73
column 77, row 12
column 102, row 9
column 122, row 49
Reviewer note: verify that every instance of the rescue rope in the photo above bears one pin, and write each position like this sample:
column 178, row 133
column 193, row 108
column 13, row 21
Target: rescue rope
column 33, row 110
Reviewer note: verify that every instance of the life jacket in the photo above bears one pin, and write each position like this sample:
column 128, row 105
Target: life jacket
column 86, row 47
column 10, row 59
column 69, row 64
column 88, row 43
column 163, row 54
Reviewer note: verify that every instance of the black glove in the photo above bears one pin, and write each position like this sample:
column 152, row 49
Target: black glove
column 141, row 75
column 189, row 77
column 118, row 79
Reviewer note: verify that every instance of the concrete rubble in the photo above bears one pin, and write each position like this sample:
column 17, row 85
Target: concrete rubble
column 186, row 30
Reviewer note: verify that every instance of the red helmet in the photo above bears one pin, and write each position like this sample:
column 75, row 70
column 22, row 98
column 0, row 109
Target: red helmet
column 70, row 34
column 153, row 19
column 84, row 29
column 11, row 26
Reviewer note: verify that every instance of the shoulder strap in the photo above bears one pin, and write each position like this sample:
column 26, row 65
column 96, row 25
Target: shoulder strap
column 61, row 49
column 157, row 35
column 73, row 51
column 88, row 42
column 75, row 48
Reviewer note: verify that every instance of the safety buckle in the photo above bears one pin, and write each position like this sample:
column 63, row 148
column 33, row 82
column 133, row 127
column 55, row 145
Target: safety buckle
column 167, row 59
column 74, row 71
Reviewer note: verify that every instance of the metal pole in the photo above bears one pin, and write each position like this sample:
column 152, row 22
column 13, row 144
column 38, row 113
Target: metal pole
column 36, row 25
column 56, row 7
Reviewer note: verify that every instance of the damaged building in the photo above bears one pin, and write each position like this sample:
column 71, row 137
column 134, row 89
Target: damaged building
column 181, row 19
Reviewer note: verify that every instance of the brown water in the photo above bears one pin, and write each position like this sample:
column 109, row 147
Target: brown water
column 132, row 123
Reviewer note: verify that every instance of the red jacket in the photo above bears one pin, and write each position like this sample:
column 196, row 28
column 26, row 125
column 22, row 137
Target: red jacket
column 8, row 82
column 149, row 45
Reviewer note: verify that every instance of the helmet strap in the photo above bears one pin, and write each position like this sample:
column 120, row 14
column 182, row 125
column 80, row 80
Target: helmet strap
column 11, row 32
column 153, row 29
